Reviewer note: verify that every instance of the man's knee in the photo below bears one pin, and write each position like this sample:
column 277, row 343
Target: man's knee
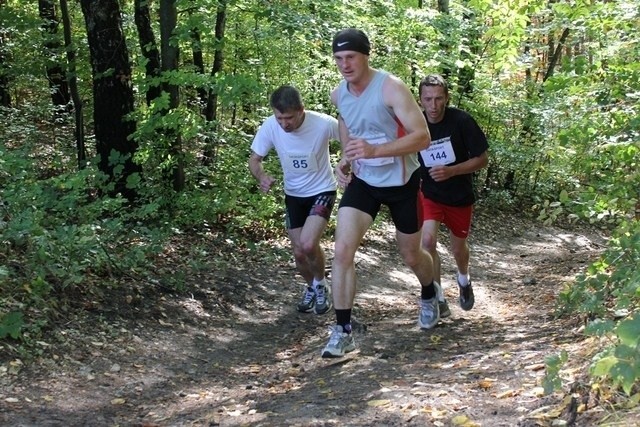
column 460, row 249
column 413, row 257
column 309, row 247
column 343, row 253
column 429, row 242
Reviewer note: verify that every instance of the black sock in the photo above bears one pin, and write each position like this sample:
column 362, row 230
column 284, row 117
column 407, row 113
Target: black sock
column 343, row 318
column 428, row 292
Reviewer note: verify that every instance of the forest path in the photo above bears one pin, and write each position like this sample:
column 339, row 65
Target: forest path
column 236, row 353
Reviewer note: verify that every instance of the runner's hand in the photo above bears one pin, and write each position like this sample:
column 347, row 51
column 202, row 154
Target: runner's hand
column 343, row 172
column 266, row 182
column 440, row 173
column 358, row 148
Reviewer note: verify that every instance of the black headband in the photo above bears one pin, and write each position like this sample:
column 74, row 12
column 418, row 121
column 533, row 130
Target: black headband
column 351, row 39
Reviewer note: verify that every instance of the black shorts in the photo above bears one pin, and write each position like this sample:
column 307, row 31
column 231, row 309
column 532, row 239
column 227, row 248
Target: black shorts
column 404, row 205
column 299, row 208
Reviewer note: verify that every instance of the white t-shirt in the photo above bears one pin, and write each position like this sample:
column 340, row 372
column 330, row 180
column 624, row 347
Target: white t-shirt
column 303, row 153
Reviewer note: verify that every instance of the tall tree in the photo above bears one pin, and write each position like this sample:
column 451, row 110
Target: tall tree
column 218, row 62
column 169, row 55
column 149, row 47
column 198, row 63
column 112, row 91
column 73, row 85
column 5, row 96
column 55, row 72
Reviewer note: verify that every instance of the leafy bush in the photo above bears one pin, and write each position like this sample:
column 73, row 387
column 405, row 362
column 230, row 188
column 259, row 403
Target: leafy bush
column 608, row 295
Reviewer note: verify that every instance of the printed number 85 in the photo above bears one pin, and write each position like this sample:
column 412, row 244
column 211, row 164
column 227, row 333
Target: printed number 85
column 300, row 164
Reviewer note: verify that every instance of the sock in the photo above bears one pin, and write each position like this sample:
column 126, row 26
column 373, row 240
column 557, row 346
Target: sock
column 343, row 318
column 428, row 292
column 463, row 279
column 317, row 283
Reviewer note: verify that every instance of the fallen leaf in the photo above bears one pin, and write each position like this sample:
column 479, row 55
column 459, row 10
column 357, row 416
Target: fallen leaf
column 459, row 420
column 118, row 401
column 486, row 383
column 535, row 367
column 537, row 392
column 378, row 403
column 507, row 393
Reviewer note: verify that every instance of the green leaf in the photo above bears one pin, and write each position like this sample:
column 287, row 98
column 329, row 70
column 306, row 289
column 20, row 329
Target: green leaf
column 11, row 324
column 604, row 365
column 628, row 331
column 599, row 327
column 624, row 374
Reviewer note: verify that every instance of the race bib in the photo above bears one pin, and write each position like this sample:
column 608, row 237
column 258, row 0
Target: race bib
column 440, row 152
column 379, row 161
column 299, row 162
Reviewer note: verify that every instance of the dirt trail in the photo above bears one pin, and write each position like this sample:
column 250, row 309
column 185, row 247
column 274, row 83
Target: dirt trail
column 236, row 353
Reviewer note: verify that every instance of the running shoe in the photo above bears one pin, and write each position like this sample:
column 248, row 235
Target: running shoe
column 466, row 296
column 323, row 300
column 308, row 301
column 339, row 343
column 429, row 313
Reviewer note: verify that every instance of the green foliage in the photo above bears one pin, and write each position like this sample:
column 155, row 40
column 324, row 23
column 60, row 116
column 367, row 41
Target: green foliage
column 553, row 363
column 620, row 362
column 11, row 325
column 612, row 283
column 609, row 294
column 58, row 238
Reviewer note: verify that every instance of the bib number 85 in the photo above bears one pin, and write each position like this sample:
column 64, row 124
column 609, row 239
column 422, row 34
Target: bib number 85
column 300, row 164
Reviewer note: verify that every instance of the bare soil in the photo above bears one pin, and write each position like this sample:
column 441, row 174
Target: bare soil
column 231, row 350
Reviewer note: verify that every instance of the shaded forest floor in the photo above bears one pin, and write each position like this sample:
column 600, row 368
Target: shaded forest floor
column 233, row 351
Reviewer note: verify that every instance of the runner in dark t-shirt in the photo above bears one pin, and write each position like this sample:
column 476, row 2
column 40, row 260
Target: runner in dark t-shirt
column 458, row 149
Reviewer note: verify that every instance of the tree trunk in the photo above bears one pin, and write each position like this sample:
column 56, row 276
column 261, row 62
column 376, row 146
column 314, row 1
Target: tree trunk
column 211, row 112
column 112, row 92
column 55, row 71
column 198, row 63
column 443, row 7
column 553, row 61
column 5, row 96
column 148, row 46
column 73, row 86
column 169, row 55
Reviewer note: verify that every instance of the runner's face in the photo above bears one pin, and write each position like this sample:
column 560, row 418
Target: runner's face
column 352, row 65
column 434, row 100
column 289, row 120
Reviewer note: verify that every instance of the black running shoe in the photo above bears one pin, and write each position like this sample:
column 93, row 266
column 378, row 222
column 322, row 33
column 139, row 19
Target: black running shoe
column 466, row 296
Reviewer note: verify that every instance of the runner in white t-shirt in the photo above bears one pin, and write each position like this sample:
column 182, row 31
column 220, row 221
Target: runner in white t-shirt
column 301, row 140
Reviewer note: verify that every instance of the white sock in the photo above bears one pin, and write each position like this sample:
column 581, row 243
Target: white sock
column 463, row 279
column 317, row 283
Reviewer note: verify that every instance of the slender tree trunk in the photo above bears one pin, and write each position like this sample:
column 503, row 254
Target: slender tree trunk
column 73, row 86
column 211, row 112
column 112, row 92
column 148, row 46
column 55, row 71
column 443, row 7
column 553, row 61
column 169, row 55
column 5, row 96
column 198, row 63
